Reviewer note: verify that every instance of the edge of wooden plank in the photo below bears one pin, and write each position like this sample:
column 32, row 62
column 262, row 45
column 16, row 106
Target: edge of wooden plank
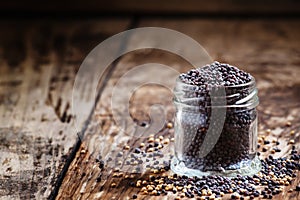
column 54, row 193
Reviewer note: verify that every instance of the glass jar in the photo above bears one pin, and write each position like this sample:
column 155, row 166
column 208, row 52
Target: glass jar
column 215, row 134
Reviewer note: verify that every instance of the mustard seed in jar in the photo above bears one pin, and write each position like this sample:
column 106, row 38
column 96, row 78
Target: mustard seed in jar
column 224, row 125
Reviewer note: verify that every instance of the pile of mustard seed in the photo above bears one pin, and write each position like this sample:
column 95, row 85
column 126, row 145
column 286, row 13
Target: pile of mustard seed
column 158, row 180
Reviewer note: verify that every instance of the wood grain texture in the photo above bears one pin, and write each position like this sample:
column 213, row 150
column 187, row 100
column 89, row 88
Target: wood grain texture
column 39, row 60
column 268, row 49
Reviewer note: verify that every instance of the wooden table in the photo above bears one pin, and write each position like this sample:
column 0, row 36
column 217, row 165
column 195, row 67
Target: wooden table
column 41, row 154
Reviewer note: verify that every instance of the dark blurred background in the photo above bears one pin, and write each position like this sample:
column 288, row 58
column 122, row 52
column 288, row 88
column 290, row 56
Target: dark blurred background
column 86, row 8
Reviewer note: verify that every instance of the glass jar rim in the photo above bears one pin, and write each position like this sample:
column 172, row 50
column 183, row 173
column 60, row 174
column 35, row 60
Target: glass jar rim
column 231, row 92
column 243, row 85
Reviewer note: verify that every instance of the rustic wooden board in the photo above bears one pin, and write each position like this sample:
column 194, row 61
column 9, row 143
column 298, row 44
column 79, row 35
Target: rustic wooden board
column 268, row 49
column 39, row 60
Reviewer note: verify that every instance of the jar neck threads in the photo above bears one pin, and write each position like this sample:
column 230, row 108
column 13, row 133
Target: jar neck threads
column 242, row 96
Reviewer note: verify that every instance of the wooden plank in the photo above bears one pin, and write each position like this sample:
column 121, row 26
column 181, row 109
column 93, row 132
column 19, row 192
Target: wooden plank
column 39, row 60
column 154, row 7
column 267, row 49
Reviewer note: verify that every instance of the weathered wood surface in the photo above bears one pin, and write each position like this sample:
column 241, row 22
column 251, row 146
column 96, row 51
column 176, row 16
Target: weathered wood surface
column 39, row 61
column 268, row 49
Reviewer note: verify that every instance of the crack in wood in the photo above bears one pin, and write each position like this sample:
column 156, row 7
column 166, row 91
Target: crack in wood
column 54, row 193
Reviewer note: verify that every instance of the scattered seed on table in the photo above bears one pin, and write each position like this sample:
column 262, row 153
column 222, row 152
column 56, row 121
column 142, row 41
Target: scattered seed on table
column 264, row 149
column 109, row 159
column 99, row 178
column 113, row 185
column 166, row 141
column 275, row 175
column 101, row 164
column 150, row 150
column 142, row 144
column 83, row 151
column 151, row 140
column 266, row 142
column 156, row 144
column 273, row 151
column 292, row 142
column 137, row 150
column 169, row 125
column 276, row 149
column 120, row 154
column 119, row 162
column 126, row 147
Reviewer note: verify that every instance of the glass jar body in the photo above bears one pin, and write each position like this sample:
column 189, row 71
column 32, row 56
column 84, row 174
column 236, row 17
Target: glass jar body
column 223, row 144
